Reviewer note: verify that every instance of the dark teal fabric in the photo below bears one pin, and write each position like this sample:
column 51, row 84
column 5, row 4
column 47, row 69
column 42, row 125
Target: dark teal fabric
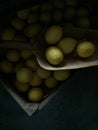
column 75, row 107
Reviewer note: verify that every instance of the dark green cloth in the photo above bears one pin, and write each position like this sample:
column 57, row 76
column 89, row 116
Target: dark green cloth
column 75, row 107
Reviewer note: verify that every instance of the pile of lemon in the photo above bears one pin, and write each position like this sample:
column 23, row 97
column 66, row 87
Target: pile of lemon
column 25, row 25
column 59, row 46
column 28, row 76
column 29, row 22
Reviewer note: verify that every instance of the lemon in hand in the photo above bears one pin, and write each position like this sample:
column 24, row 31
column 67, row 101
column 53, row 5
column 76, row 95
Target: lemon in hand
column 54, row 55
column 85, row 49
column 67, row 45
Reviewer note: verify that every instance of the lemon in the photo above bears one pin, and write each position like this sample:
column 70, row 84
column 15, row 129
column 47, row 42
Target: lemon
column 46, row 7
column 6, row 66
column 69, row 13
column 68, row 25
column 20, row 38
column 18, row 66
column 58, row 4
column 8, row 34
column 67, row 45
column 35, row 94
column 35, row 8
column 32, row 30
column 43, row 73
column 18, row 24
column 50, row 82
column 25, row 54
column 53, row 34
column 82, row 11
column 24, row 75
column 33, row 18
column 83, row 22
column 54, row 55
column 61, row 75
column 85, row 49
column 23, row 14
column 57, row 15
column 35, row 80
column 13, row 55
column 21, row 87
column 32, row 63
column 71, row 3
column 46, row 17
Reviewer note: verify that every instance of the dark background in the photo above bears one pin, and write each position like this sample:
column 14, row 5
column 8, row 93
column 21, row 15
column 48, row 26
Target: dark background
column 75, row 107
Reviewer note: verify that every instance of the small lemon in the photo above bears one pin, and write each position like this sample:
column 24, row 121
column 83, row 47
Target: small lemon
column 25, row 54
column 32, row 30
column 61, row 75
column 67, row 44
column 19, row 37
column 13, row 55
column 54, row 55
column 8, row 34
column 35, row 80
column 46, row 17
column 18, row 24
column 32, row 63
column 35, row 94
column 24, row 75
column 50, row 82
column 71, row 3
column 23, row 14
column 57, row 15
column 83, row 22
column 82, row 12
column 58, row 4
column 18, row 66
column 85, row 49
column 69, row 13
column 53, row 34
column 35, row 8
column 46, row 7
column 21, row 87
column 43, row 73
column 33, row 18
column 6, row 66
